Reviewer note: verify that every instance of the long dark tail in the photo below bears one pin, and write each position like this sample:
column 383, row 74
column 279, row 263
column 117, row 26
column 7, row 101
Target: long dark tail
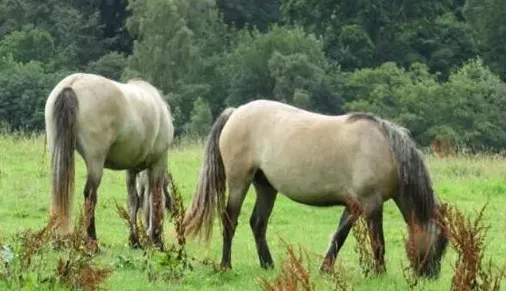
column 414, row 178
column 210, row 193
column 65, row 111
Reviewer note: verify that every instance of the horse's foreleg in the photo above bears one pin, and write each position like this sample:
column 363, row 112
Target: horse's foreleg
column 266, row 196
column 237, row 193
column 375, row 225
column 133, row 207
column 345, row 224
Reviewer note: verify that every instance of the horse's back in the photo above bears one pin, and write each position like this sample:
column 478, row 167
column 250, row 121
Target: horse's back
column 310, row 157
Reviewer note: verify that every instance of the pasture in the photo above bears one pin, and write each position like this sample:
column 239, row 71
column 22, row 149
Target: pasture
column 466, row 182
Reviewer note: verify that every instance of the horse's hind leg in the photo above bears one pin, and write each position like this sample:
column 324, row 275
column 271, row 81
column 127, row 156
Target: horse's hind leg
column 345, row 224
column 95, row 170
column 133, row 206
column 237, row 193
column 266, row 196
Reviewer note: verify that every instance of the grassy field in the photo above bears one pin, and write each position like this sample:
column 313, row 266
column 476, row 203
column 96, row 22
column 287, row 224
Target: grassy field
column 25, row 199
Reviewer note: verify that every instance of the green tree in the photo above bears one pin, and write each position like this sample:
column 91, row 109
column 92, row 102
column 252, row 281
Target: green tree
column 255, row 14
column 24, row 88
column 276, row 65
column 472, row 103
column 394, row 93
column 110, row 65
column 178, row 46
column 360, row 34
column 73, row 25
column 28, row 44
column 201, row 119
column 487, row 18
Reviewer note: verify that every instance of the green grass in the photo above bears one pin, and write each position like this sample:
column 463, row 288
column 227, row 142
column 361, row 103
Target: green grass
column 25, row 201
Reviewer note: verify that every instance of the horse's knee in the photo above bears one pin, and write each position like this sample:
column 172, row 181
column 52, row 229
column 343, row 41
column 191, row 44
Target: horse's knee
column 257, row 225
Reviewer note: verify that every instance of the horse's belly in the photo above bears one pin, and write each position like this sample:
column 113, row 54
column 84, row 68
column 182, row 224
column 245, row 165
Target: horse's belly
column 124, row 159
column 312, row 191
column 317, row 199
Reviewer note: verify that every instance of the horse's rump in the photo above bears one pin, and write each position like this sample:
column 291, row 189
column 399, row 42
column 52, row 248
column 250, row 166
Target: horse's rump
column 130, row 122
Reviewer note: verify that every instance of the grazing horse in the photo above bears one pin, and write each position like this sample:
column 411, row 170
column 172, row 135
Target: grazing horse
column 318, row 160
column 144, row 194
column 113, row 125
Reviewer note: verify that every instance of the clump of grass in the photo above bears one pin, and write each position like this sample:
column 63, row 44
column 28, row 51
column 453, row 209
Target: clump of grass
column 76, row 269
column 468, row 239
column 22, row 262
column 339, row 281
column 28, row 264
column 293, row 276
column 171, row 262
column 140, row 228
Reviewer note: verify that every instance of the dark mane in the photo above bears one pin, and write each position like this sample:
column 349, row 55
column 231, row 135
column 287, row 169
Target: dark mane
column 355, row 116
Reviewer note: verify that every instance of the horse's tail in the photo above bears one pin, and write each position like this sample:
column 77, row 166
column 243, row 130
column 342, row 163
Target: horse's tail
column 415, row 183
column 210, row 192
column 65, row 110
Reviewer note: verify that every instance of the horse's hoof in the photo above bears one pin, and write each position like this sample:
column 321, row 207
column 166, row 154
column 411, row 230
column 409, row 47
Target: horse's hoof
column 92, row 247
column 326, row 269
column 224, row 267
column 267, row 265
column 134, row 243
column 158, row 245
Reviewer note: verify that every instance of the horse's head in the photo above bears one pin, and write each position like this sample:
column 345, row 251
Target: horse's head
column 425, row 247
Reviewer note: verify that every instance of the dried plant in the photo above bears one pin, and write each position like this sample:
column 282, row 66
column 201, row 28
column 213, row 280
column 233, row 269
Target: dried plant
column 76, row 269
column 339, row 281
column 293, row 276
column 468, row 239
column 28, row 261
column 363, row 236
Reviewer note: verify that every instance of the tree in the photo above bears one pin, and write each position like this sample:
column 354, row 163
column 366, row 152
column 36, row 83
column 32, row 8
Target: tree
column 28, row 44
column 201, row 119
column 24, row 88
column 487, row 18
column 248, row 13
column 110, row 65
column 276, row 65
column 360, row 34
column 180, row 58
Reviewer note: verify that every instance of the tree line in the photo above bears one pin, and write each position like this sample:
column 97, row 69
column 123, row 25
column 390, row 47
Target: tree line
column 437, row 67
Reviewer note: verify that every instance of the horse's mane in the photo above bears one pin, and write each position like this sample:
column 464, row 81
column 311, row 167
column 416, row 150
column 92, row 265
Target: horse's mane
column 355, row 116
column 415, row 184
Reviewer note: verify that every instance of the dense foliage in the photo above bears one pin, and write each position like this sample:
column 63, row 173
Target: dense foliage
column 437, row 67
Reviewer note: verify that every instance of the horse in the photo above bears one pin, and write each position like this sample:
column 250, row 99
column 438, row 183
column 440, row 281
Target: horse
column 142, row 186
column 317, row 160
column 113, row 125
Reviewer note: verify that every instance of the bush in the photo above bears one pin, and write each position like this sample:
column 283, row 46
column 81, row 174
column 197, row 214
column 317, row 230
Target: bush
column 24, row 89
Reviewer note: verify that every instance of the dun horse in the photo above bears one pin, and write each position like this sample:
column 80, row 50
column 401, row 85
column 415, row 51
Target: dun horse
column 315, row 160
column 118, row 126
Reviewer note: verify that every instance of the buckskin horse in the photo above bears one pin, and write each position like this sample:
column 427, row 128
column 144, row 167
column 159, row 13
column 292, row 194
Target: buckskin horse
column 319, row 160
column 113, row 125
